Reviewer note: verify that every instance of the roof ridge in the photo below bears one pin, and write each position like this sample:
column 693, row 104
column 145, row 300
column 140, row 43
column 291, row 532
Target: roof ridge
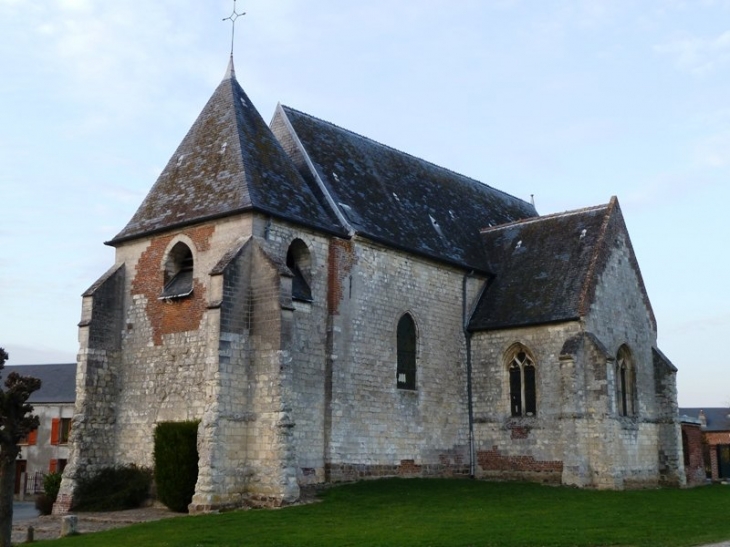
column 378, row 143
column 545, row 217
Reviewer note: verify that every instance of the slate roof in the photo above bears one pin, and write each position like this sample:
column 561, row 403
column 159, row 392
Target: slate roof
column 229, row 162
column 546, row 268
column 393, row 197
column 717, row 418
column 58, row 382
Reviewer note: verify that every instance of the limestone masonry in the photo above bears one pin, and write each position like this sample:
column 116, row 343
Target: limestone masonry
column 332, row 309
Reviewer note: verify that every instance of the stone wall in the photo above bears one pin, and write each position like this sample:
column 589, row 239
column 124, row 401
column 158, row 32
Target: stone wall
column 577, row 436
column 374, row 428
column 97, row 382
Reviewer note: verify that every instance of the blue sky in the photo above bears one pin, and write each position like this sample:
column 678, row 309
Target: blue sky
column 569, row 101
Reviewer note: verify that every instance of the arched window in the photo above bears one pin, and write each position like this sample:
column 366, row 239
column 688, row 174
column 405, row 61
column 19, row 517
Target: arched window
column 406, row 370
column 178, row 272
column 299, row 261
column 522, row 392
column 625, row 383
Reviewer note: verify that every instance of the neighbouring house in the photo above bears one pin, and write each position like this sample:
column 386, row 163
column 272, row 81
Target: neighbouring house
column 715, row 426
column 47, row 448
column 333, row 309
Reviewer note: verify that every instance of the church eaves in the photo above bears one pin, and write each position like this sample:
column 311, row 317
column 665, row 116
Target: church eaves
column 394, row 198
column 228, row 163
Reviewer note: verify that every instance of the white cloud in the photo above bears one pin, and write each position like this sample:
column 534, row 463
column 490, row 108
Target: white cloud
column 698, row 55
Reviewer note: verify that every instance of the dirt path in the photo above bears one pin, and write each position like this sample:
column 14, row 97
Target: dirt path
column 49, row 527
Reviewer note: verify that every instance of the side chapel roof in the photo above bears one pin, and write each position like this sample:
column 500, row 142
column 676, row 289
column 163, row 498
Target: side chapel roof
column 547, row 268
column 395, row 198
column 229, row 162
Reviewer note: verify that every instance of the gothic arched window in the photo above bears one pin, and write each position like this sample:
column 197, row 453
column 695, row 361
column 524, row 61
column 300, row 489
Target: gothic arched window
column 625, row 383
column 407, row 340
column 522, row 392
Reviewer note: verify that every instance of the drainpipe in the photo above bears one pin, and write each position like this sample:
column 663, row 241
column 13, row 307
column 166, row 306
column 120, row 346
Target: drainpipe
column 470, row 404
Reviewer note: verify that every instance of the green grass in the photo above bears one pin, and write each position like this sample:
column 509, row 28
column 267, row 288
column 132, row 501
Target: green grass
column 451, row 513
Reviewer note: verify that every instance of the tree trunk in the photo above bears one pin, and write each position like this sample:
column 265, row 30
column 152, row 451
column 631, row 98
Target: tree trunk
column 7, row 490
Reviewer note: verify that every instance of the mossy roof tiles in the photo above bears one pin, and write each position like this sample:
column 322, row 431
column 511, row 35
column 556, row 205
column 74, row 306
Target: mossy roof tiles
column 229, row 162
column 543, row 268
column 398, row 199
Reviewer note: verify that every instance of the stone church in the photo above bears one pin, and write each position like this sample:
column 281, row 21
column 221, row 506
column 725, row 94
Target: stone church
column 331, row 309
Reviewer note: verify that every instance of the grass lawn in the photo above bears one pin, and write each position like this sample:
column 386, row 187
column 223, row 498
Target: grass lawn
column 440, row 512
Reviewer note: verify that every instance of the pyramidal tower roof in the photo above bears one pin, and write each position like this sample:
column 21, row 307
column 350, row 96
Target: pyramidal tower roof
column 228, row 163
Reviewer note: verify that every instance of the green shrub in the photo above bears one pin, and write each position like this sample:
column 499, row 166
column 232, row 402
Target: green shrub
column 51, row 484
column 176, row 463
column 113, row 489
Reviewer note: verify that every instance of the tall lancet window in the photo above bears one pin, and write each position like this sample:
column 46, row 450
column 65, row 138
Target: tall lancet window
column 407, row 340
column 625, row 383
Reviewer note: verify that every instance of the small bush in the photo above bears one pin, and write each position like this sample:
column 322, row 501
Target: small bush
column 51, row 484
column 113, row 489
column 176, row 463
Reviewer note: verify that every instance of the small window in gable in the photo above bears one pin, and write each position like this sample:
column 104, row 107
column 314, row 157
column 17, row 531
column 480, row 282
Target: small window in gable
column 178, row 272
column 522, row 391
column 625, row 383
column 299, row 261
column 406, row 369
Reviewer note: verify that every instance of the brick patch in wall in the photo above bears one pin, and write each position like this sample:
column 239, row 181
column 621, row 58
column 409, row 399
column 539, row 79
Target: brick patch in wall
column 177, row 315
column 406, row 468
column 493, row 460
column 340, row 263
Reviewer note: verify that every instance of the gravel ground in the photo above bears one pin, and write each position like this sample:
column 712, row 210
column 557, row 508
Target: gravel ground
column 49, row 527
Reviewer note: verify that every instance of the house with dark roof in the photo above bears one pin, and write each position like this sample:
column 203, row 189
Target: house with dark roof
column 715, row 426
column 47, row 448
column 330, row 308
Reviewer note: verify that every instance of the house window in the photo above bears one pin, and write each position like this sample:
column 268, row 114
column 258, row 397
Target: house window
column 60, row 430
column 299, row 261
column 30, row 439
column 625, row 383
column 57, row 466
column 406, row 370
column 178, row 272
column 522, row 393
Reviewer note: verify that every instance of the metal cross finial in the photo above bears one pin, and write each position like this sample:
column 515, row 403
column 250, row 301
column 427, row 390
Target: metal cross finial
column 232, row 18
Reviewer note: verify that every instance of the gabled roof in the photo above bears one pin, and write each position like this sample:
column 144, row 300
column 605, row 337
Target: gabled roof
column 716, row 419
column 229, row 162
column 546, row 269
column 58, row 382
column 395, row 198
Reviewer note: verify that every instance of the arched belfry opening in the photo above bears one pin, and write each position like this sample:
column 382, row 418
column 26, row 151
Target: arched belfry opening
column 178, row 275
column 299, row 261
